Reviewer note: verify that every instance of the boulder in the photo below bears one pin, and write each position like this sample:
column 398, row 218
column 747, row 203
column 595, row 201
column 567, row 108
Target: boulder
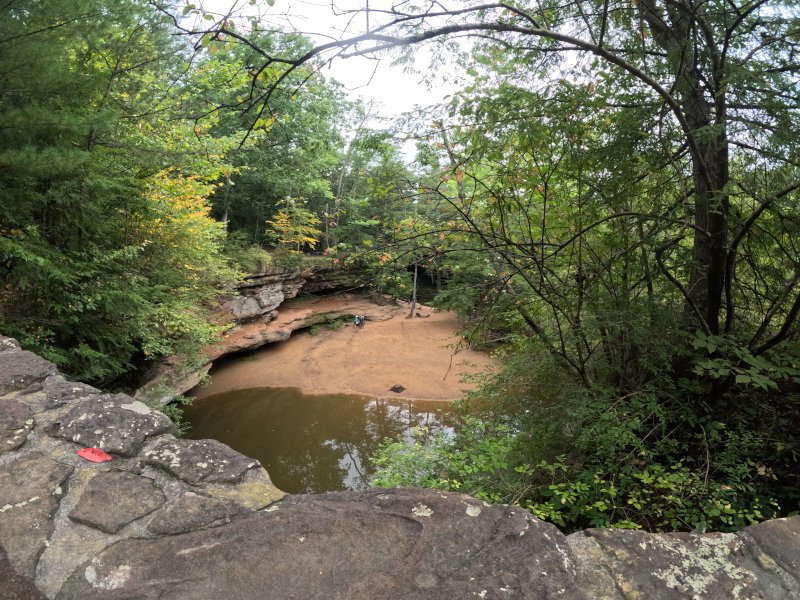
column 60, row 392
column 402, row 543
column 244, row 308
column 21, row 369
column 260, row 295
column 115, row 423
column 195, row 461
column 713, row 566
column 779, row 541
column 8, row 344
column 169, row 381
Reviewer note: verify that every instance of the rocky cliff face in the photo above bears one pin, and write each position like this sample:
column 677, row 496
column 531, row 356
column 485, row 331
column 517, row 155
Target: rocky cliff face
column 250, row 315
column 168, row 518
column 260, row 295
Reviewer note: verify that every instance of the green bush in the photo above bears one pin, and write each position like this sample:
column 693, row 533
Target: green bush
column 476, row 460
column 484, row 460
column 247, row 257
column 666, row 456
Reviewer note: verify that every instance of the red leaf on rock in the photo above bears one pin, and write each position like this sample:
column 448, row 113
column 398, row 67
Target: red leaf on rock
column 94, row 455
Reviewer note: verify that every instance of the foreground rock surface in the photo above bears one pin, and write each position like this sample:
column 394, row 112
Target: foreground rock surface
column 59, row 511
column 376, row 544
column 14, row 586
column 686, row 565
column 173, row 519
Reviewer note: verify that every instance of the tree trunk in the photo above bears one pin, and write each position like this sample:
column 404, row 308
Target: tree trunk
column 413, row 296
column 709, row 252
column 704, row 109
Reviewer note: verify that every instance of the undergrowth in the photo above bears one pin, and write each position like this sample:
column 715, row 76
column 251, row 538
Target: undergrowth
column 665, row 456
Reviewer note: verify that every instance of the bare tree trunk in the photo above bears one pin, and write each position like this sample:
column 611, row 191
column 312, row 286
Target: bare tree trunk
column 413, row 296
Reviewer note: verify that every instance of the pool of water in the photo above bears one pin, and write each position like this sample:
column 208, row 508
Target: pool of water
column 310, row 444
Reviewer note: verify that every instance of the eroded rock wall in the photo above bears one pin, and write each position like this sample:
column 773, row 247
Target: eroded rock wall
column 260, row 295
column 251, row 315
column 168, row 518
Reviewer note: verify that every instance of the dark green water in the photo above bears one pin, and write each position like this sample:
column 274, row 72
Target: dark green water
column 309, row 444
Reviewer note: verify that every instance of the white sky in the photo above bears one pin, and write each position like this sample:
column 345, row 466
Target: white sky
column 393, row 88
column 396, row 89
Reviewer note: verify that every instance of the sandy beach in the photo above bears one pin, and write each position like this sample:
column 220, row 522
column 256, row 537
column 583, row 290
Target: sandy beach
column 424, row 355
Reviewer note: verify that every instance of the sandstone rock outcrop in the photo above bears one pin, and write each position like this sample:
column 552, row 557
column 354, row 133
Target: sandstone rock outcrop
column 58, row 510
column 252, row 316
column 676, row 566
column 259, row 295
column 377, row 544
column 176, row 519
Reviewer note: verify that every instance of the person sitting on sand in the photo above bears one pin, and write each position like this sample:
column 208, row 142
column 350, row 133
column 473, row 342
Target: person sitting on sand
column 360, row 321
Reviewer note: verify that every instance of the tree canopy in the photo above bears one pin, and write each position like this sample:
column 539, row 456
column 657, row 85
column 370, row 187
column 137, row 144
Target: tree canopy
column 611, row 200
column 122, row 143
column 628, row 175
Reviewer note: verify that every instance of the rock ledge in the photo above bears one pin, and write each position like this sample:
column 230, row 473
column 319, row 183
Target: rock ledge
column 171, row 519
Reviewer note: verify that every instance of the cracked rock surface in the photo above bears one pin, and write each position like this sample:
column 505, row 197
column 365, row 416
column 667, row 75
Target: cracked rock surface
column 196, row 461
column 16, row 421
column 30, row 491
column 113, row 422
column 16, row 587
column 21, row 369
column 191, row 511
column 406, row 543
column 113, row 499
column 682, row 565
column 58, row 511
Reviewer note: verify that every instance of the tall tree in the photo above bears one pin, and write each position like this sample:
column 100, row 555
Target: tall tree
column 107, row 249
column 719, row 78
column 627, row 173
column 290, row 142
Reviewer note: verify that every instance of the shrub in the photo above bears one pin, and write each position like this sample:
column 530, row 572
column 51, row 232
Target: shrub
column 485, row 461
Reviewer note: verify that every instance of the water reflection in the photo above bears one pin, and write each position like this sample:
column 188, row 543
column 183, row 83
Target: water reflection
column 310, row 444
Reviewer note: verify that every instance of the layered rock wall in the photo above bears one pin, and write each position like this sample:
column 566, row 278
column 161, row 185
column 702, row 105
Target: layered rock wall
column 261, row 295
column 250, row 314
column 168, row 518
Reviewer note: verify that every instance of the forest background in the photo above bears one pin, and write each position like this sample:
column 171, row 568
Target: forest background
column 611, row 200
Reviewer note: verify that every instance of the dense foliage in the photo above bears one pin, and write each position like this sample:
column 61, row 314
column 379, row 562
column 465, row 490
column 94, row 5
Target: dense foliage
column 614, row 194
column 123, row 143
column 612, row 200
column 106, row 249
